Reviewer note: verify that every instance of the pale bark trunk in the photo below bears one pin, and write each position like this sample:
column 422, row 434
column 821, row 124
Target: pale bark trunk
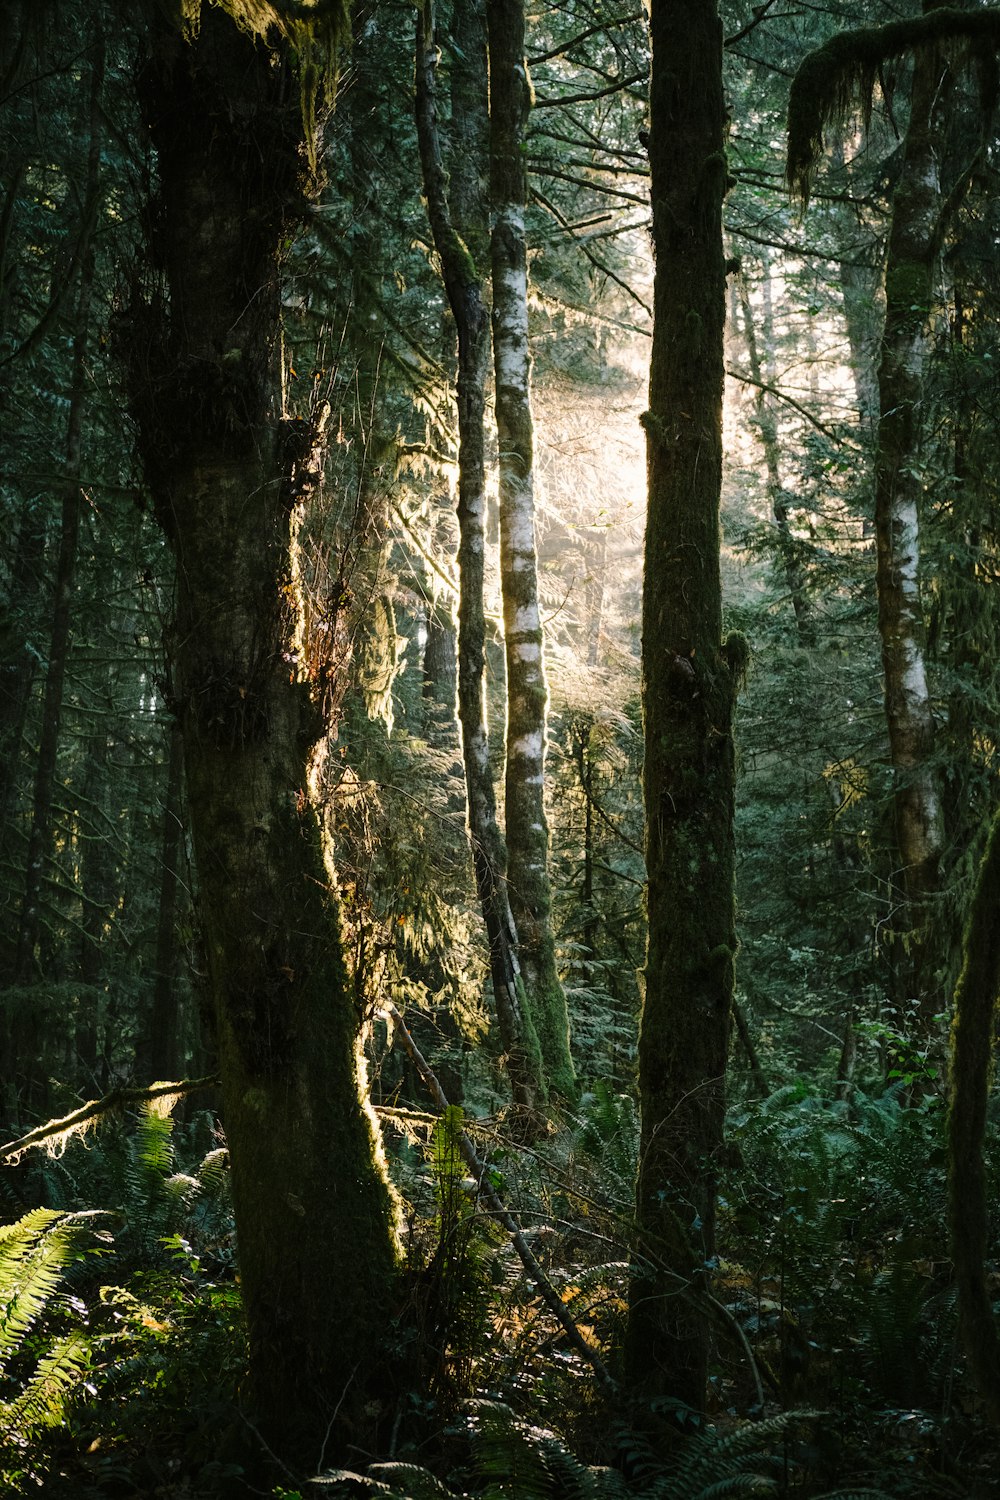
column 688, row 694
column 914, row 241
column 767, row 427
column 230, row 481
column 459, row 233
column 525, row 820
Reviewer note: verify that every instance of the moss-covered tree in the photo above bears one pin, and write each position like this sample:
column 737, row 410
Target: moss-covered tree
column 230, row 476
column 972, row 1042
column 688, row 691
column 843, row 72
column 527, row 697
column 460, row 229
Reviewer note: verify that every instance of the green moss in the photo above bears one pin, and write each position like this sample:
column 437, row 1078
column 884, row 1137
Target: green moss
column 908, row 288
column 840, row 76
column 737, row 654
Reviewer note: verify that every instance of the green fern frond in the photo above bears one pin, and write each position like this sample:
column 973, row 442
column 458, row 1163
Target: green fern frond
column 712, row 1465
column 510, row 1455
column 854, row 1494
column 34, row 1255
column 42, row 1401
column 411, row 1481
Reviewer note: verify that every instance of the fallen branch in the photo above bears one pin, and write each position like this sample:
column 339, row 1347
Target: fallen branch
column 499, row 1211
column 56, row 1134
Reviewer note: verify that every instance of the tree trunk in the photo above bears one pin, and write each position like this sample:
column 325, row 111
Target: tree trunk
column 972, row 1044
column 230, row 480
column 459, row 231
column 162, row 1044
column 689, row 678
column 767, row 427
column 914, row 241
column 525, row 821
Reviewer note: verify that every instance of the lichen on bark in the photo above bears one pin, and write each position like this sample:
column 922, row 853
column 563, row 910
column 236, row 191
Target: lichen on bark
column 527, row 695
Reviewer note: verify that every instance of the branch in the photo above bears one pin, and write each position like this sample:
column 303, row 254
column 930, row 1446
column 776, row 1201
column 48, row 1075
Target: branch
column 773, row 390
column 594, row 261
column 841, row 75
column 502, row 1215
column 759, row 12
column 560, row 51
column 94, row 1111
column 617, row 87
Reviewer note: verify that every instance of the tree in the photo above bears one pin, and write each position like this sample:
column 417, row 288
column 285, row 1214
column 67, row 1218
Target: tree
column 845, row 69
column 230, row 473
column 527, row 696
column 459, row 228
column 689, row 679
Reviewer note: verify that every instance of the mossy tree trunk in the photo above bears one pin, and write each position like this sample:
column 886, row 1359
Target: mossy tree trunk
column 688, row 690
column 230, row 479
column 914, row 242
column 527, row 697
column 976, row 997
column 459, row 226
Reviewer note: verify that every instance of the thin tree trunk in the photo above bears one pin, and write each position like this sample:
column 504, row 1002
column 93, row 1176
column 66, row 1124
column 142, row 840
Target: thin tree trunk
column 914, row 241
column 97, row 887
column 162, row 1044
column 40, row 840
column 768, row 430
column 527, row 697
column 18, row 669
column 230, row 481
column 689, row 679
column 972, row 1044
column 859, row 286
column 375, row 659
column 459, row 231
column 23, row 1042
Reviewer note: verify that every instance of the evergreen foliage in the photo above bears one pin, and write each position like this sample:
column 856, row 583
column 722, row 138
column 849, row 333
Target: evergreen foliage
column 854, row 1266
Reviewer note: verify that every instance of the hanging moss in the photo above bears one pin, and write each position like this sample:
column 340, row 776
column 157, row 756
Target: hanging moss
column 840, row 76
column 314, row 31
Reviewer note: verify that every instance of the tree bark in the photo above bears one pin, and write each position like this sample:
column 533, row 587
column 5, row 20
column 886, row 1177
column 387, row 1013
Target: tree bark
column 689, row 679
column 527, row 697
column 767, row 427
column 230, row 480
column 972, row 1044
column 162, row 1042
column 460, row 237
column 914, row 242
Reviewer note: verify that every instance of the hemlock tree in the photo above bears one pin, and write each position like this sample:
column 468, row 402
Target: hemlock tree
column 689, row 677
column 527, row 697
column 230, row 477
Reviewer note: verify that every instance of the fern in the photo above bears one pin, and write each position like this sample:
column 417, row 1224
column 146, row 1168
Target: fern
column 35, row 1254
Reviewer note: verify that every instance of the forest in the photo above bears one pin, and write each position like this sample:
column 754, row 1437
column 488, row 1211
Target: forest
column 499, row 749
